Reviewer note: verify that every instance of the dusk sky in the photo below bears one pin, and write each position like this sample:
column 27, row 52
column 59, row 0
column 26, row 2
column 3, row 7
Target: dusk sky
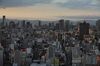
column 49, row 9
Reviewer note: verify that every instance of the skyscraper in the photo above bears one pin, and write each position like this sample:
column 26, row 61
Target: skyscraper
column 39, row 23
column 83, row 29
column 67, row 25
column 3, row 20
column 28, row 25
column 98, row 25
column 57, row 26
column 23, row 24
column 61, row 24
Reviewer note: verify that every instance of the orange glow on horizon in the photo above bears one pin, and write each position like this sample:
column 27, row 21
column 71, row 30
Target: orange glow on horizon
column 41, row 12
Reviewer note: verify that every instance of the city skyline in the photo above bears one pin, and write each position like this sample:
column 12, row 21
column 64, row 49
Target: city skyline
column 49, row 32
column 50, row 9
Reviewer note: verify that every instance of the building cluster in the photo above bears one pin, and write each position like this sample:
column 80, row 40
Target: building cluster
column 53, row 44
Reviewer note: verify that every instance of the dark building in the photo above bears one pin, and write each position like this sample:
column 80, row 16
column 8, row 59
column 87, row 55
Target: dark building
column 98, row 25
column 3, row 20
column 39, row 23
column 61, row 24
column 98, row 28
column 23, row 23
column 50, row 25
column 28, row 25
column 67, row 25
column 57, row 26
column 83, row 29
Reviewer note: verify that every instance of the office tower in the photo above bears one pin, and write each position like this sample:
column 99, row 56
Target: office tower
column 98, row 25
column 3, row 19
column 50, row 26
column 23, row 23
column 67, row 25
column 39, row 23
column 61, row 25
column 83, row 29
column 57, row 26
column 28, row 25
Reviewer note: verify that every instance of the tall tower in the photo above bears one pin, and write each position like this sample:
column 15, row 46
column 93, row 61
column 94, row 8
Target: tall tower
column 61, row 24
column 3, row 20
column 39, row 23
column 98, row 28
column 98, row 25
column 23, row 23
column 84, row 29
column 67, row 25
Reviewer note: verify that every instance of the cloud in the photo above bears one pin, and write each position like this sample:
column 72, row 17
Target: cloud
column 16, row 3
column 60, row 1
column 79, row 4
column 95, row 3
column 76, row 4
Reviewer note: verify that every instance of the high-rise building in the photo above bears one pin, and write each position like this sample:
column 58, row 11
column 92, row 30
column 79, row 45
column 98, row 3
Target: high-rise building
column 50, row 25
column 3, row 20
column 98, row 28
column 39, row 23
column 67, row 25
column 61, row 24
column 28, row 25
column 98, row 25
column 83, row 29
column 57, row 26
column 23, row 23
